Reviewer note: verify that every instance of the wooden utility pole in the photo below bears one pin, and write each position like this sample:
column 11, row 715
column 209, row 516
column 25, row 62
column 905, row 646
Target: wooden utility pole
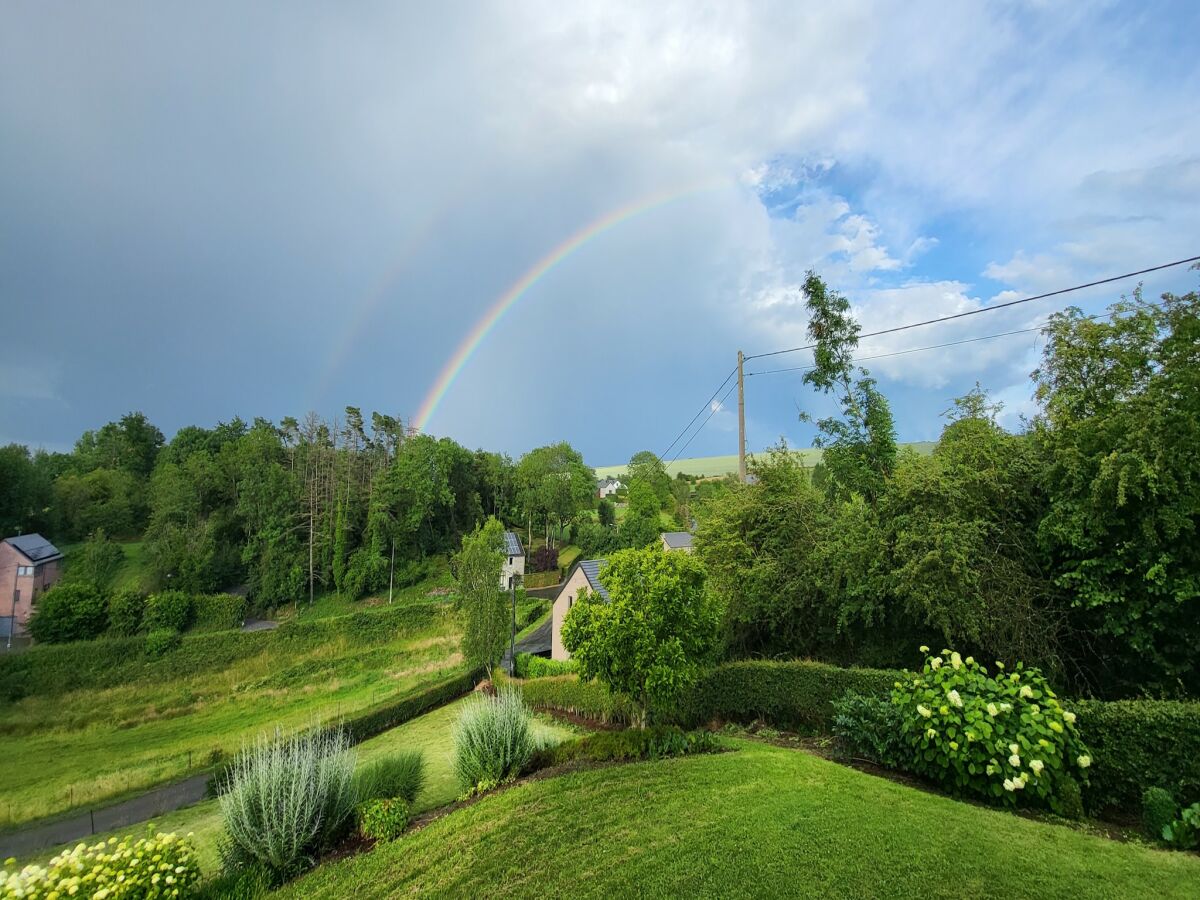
column 741, row 420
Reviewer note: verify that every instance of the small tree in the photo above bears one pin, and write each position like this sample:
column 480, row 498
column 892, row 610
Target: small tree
column 651, row 638
column 69, row 612
column 607, row 513
column 641, row 526
column 477, row 568
column 97, row 562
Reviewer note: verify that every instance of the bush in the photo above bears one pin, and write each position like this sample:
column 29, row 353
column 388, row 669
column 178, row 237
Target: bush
column 493, row 740
column 1184, row 832
column 400, row 774
column 161, row 642
column 171, row 610
column 383, row 819
column 125, row 610
column 288, row 797
column 218, row 612
column 530, row 666
column 1158, row 811
column 993, row 737
column 1139, row 744
column 656, row 742
column 69, row 612
column 868, row 727
column 159, row 865
column 589, row 699
column 788, row 694
column 543, row 559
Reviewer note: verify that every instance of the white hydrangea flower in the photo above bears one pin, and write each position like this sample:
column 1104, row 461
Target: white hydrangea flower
column 924, row 710
column 1037, row 765
column 935, row 663
column 1069, row 716
column 1014, row 761
column 1084, row 761
column 955, row 660
column 992, row 710
column 1009, row 784
column 954, row 698
column 1014, row 748
column 924, row 648
column 1026, row 690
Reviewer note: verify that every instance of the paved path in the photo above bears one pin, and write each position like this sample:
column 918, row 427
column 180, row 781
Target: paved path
column 259, row 625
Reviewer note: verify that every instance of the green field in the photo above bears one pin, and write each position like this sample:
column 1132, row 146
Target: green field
column 94, row 745
column 763, row 821
column 715, row 466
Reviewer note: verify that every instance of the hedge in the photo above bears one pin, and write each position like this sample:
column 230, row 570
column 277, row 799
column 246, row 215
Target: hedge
column 1140, row 744
column 53, row 669
column 795, row 694
column 566, row 693
column 218, row 612
column 530, row 666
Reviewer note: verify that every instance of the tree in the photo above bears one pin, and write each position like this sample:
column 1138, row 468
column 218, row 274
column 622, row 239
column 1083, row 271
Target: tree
column 646, row 467
column 653, row 635
column 641, row 526
column 69, row 612
column 477, row 569
column 96, row 563
column 860, row 447
column 606, row 513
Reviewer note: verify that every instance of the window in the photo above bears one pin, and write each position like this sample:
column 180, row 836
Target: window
column 510, row 560
column 24, row 570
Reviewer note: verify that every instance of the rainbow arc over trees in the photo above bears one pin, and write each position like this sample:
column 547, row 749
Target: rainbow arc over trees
column 505, row 301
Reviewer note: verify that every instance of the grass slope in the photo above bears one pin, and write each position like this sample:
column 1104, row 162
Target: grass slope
column 724, row 465
column 763, row 821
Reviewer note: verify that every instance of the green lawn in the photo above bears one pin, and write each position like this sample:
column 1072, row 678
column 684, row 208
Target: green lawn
column 132, row 573
column 90, row 746
column 763, row 821
column 437, row 587
column 724, row 465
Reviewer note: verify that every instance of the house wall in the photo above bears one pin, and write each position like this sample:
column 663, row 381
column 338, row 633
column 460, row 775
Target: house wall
column 562, row 603
column 513, row 565
column 29, row 587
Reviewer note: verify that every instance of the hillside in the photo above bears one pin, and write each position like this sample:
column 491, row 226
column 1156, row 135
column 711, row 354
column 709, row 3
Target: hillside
column 725, row 465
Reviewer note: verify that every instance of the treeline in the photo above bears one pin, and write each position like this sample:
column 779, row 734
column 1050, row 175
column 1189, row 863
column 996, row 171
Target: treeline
column 1072, row 545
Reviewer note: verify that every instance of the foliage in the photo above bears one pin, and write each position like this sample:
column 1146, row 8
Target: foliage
column 530, row 666
column 588, row 699
column 656, row 742
column 289, row 795
column 169, row 611
column 162, row 641
column 400, row 774
column 1122, row 409
column 383, row 819
column 543, row 559
column 218, row 612
column 1184, row 832
column 97, row 562
column 493, row 740
column 997, row 737
column 477, row 568
column 158, row 865
column 646, row 468
column 1158, row 812
column 69, row 612
column 641, row 526
column 125, row 610
column 554, row 485
column 595, row 541
column 868, row 726
column 654, row 634
column 606, row 513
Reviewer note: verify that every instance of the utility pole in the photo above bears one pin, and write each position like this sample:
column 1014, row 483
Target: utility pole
column 741, row 420
column 392, row 572
column 512, row 639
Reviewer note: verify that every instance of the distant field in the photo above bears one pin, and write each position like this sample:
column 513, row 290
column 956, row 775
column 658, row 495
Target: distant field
column 725, row 465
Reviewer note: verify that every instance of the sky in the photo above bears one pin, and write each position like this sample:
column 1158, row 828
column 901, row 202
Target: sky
column 517, row 223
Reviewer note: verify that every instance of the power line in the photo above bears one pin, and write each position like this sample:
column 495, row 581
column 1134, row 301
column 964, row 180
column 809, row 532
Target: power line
column 711, row 413
column 985, row 309
column 696, row 416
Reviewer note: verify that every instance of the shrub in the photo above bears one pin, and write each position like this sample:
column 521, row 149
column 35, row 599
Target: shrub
column 218, row 612
column 543, row 559
column 125, row 610
column 1139, row 744
column 792, row 694
column 566, row 693
column 161, row 642
column 1184, row 832
column 158, row 865
column 493, row 740
column 289, row 796
column 172, row 610
column 656, row 742
column 400, row 774
column 868, row 726
column 1158, row 811
column 69, row 612
column 530, row 666
column 383, row 819
column 991, row 737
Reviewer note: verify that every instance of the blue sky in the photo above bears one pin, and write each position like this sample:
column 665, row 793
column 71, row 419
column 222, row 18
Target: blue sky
column 214, row 210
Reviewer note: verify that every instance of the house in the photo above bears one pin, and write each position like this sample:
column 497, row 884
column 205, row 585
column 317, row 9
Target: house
column 29, row 564
column 584, row 574
column 677, row 540
column 514, row 560
column 606, row 486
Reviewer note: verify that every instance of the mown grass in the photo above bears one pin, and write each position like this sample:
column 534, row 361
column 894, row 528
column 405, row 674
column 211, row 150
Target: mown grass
column 724, row 465
column 437, row 587
column 763, row 821
column 90, row 746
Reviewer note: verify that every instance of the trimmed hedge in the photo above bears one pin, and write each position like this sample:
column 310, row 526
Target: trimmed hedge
column 1139, row 744
column 792, row 694
column 218, row 612
column 530, row 666
column 52, row 669
column 566, row 693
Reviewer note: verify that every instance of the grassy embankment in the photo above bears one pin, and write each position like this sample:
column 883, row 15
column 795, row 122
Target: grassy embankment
column 715, row 466
column 763, row 821
column 147, row 725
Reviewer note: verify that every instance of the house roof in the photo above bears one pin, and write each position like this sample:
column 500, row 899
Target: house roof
column 591, row 569
column 34, row 548
column 678, row 540
column 512, row 544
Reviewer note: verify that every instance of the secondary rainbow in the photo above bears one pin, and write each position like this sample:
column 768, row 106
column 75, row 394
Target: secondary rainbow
column 505, row 301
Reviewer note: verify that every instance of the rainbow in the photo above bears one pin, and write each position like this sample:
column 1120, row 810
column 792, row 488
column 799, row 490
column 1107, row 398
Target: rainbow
column 505, row 301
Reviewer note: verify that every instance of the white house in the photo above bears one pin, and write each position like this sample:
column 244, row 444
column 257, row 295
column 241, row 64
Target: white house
column 584, row 574
column 514, row 560
column 606, row 486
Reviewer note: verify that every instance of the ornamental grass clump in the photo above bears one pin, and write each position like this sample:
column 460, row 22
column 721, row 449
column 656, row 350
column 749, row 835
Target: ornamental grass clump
column 288, row 796
column 1003, row 737
column 400, row 774
column 493, row 740
column 158, row 865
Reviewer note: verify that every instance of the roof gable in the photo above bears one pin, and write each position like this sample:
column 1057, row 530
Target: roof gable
column 34, row 547
column 512, row 544
column 677, row 540
column 591, row 570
